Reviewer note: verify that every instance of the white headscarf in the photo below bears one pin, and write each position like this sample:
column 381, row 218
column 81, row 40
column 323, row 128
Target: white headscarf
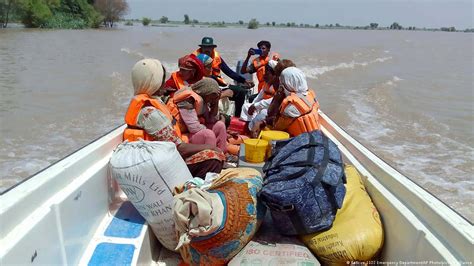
column 272, row 63
column 147, row 76
column 294, row 80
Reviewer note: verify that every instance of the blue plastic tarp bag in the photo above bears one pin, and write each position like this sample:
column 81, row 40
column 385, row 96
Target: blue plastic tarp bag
column 304, row 185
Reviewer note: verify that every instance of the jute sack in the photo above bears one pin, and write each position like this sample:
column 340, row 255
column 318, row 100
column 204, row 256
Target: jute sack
column 148, row 171
column 356, row 233
column 213, row 225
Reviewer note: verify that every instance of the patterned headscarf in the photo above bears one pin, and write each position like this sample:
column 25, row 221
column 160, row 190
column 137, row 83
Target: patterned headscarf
column 205, row 59
column 191, row 62
column 293, row 80
column 147, row 76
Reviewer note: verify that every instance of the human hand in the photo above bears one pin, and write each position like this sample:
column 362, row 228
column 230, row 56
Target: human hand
column 211, row 120
column 164, row 91
column 169, row 89
column 252, row 109
column 222, row 118
column 270, row 120
column 259, row 126
column 250, row 52
column 215, row 148
column 249, row 84
column 209, row 147
column 233, row 134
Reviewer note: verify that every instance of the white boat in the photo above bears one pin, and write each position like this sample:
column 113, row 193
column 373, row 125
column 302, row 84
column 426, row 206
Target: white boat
column 62, row 214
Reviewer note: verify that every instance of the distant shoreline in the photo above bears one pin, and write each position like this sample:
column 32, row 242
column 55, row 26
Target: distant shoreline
column 172, row 24
column 223, row 24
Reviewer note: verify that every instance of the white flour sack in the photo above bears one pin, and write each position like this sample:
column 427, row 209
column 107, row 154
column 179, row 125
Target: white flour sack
column 148, row 171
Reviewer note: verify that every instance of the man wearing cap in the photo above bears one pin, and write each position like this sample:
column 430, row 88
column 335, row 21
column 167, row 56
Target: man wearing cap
column 236, row 93
column 207, row 46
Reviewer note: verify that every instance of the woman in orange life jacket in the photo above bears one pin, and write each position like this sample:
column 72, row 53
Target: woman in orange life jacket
column 200, row 118
column 298, row 112
column 147, row 117
column 256, row 111
column 190, row 71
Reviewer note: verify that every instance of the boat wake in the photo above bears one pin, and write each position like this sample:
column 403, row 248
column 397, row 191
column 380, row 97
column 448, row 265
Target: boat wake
column 136, row 54
column 313, row 72
column 416, row 144
column 170, row 67
column 45, row 150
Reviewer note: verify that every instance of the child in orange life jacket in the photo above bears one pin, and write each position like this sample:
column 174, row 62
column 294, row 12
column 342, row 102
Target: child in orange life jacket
column 207, row 130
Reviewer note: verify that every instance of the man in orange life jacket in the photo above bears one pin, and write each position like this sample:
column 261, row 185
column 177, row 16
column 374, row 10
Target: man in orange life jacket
column 259, row 63
column 235, row 93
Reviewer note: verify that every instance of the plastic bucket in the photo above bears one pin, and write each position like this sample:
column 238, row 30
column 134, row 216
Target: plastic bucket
column 270, row 135
column 255, row 150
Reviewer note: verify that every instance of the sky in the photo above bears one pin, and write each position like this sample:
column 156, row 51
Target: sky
column 419, row 13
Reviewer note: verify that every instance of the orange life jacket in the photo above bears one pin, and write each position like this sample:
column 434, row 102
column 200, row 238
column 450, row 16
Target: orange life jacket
column 183, row 95
column 216, row 66
column 259, row 64
column 178, row 81
column 133, row 132
column 308, row 106
column 268, row 91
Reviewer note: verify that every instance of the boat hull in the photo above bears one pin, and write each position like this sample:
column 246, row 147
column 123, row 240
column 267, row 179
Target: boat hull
column 58, row 215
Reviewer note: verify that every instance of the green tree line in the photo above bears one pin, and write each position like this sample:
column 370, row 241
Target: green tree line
column 72, row 14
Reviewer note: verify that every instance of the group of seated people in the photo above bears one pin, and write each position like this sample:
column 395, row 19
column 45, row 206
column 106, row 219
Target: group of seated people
column 185, row 108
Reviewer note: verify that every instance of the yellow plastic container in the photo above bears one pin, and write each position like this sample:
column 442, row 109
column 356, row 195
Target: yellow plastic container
column 270, row 135
column 255, row 150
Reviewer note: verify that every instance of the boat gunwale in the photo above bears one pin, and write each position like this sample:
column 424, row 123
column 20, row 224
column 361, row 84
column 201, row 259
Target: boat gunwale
column 398, row 171
column 418, row 200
